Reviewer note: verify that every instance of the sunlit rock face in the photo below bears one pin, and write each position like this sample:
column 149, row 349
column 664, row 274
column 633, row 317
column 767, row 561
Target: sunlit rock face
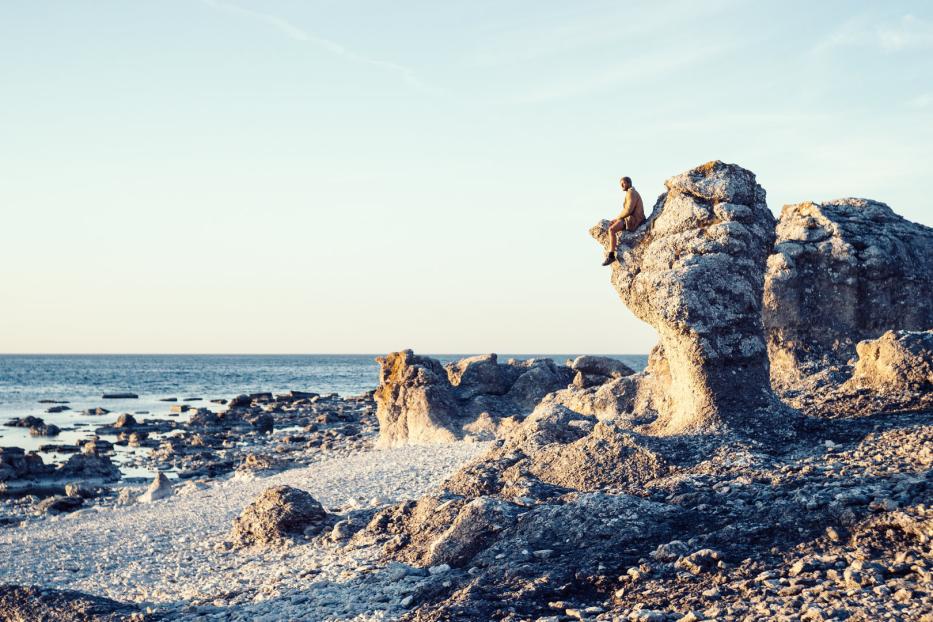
column 898, row 361
column 695, row 272
column 420, row 401
column 842, row 272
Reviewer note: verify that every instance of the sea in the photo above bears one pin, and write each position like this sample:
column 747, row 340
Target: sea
column 28, row 382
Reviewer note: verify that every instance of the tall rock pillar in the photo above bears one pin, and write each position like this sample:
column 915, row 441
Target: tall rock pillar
column 695, row 272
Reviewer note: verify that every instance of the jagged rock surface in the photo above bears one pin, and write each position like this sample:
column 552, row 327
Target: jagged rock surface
column 895, row 362
column 695, row 272
column 841, row 272
column 22, row 603
column 421, row 401
column 280, row 513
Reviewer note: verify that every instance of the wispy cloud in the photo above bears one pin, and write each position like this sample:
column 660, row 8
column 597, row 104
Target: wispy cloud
column 907, row 32
column 297, row 33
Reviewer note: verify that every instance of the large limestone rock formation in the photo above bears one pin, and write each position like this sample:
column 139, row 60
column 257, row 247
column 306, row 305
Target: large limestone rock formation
column 842, row 272
column 695, row 272
column 420, row 401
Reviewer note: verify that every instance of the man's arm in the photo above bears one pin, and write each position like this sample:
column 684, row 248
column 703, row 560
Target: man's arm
column 629, row 206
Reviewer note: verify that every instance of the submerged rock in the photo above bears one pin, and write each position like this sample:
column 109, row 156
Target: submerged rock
column 280, row 513
column 695, row 272
column 842, row 272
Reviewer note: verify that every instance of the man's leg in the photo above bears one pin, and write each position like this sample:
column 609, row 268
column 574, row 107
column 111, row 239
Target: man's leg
column 614, row 229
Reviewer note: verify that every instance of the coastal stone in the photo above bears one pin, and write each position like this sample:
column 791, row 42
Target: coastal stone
column 896, row 361
column 704, row 560
column 601, row 366
column 263, row 422
column 88, row 466
column 160, row 488
column 842, row 272
column 46, row 429
column 671, row 551
column 240, row 401
column 16, row 463
column 279, row 514
column 95, row 411
column 59, row 504
column 420, row 401
column 414, row 400
column 125, row 497
column 57, row 409
column 125, row 421
column 25, row 422
column 695, row 272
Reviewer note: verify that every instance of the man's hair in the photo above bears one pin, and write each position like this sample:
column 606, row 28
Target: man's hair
column 627, row 180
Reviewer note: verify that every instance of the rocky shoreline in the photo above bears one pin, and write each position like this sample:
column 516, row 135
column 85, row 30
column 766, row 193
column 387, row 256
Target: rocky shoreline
column 773, row 461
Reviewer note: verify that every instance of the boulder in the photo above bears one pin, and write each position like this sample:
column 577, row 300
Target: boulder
column 898, row 361
column 420, row 401
column 695, row 272
column 125, row 420
column 88, row 466
column 281, row 513
column 595, row 371
column 601, row 366
column 160, row 488
column 59, row 504
column 842, row 272
column 240, row 401
column 46, row 429
column 25, row 422
column 478, row 375
column 414, row 401
column 16, row 463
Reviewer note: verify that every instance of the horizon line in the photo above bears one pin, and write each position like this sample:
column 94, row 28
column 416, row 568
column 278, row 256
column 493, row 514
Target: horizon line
column 300, row 353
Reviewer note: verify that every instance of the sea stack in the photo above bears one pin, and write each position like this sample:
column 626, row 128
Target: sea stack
column 695, row 272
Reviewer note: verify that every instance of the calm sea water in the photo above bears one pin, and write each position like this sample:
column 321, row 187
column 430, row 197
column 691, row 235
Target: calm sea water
column 83, row 379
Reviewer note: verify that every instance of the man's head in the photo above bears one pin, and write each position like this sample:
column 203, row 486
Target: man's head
column 625, row 182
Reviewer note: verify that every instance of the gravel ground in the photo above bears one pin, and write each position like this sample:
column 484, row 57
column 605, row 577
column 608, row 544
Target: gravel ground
column 168, row 555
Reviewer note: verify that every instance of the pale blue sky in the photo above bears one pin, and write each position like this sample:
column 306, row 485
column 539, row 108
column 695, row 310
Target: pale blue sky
column 341, row 176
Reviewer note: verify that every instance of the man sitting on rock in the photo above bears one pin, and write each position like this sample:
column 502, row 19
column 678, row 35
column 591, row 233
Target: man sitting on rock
column 631, row 217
